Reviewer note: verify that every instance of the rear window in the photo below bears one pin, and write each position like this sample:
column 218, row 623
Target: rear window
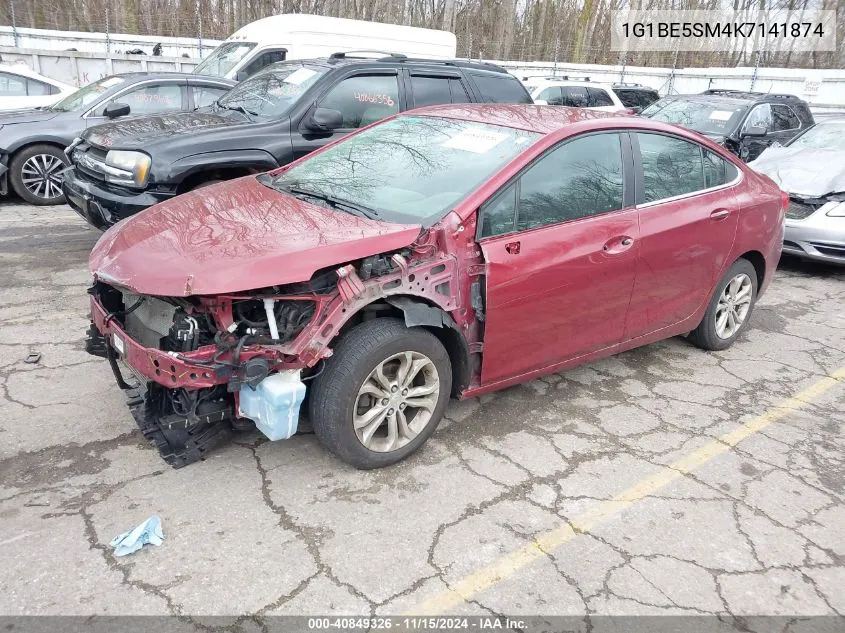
column 501, row 89
column 636, row 98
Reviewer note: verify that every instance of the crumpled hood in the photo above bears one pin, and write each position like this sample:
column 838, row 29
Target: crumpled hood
column 134, row 132
column 804, row 172
column 235, row 236
column 27, row 115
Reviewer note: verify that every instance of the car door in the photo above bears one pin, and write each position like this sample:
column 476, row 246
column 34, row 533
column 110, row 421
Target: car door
column 560, row 242
column 688, row 219
column 779, row 121
column 361, row 98
column 146, row 99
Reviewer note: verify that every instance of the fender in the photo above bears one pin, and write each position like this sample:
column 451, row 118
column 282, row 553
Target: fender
column 419, row 313
column 253, row 159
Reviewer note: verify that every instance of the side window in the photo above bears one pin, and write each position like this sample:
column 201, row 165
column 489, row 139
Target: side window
column 671, row 167
column 459, row 93
column 501, row 88
column 37, row 88
column 577, row 179
column 264, row 59
column 784, row 119
column 12, row 85
column 599, row 97
column 153, row 99
column 430, row 90
column 206, row 95
column 551, row 96
column 363, row 99
column 575, row 97
column 498, row 215
column 760, row 116
column 717, row 171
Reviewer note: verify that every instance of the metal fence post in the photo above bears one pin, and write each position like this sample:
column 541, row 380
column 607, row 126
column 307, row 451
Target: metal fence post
column 108, row 41
column 14, row 24
column 199, row 26
column 756, row 68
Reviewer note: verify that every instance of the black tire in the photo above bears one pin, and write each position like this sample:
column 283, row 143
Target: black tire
column 335, row 391
column 705, row 335
column 206, row 183
column 16, row 174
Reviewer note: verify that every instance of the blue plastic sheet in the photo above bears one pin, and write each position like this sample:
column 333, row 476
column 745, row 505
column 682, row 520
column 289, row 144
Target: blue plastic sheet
column 148, row 532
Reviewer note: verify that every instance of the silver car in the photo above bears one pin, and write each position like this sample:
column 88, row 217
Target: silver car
column 811, row 167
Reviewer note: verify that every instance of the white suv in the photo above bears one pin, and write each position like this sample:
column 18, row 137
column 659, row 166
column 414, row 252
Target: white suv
column 586, row 94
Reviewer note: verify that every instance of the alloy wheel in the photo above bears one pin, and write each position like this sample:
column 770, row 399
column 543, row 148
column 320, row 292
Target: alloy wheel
column 733, row 306
column 396, row 401
column 41, row 175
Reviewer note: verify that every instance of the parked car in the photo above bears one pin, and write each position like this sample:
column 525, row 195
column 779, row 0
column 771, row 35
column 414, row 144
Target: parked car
column 586, row 94
column 32, row 143
column 745, row 123
column 286, row 37
column 22, row 88
column 811, row 167
column 268, row 120
column 452, row 250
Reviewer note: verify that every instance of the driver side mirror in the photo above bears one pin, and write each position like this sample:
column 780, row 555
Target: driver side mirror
column 636, row 109
column 241, row 75
column 114, row 110
column 755, row 131
column 324, row 120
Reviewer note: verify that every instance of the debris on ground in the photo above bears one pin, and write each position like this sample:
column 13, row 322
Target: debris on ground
column 131, row 541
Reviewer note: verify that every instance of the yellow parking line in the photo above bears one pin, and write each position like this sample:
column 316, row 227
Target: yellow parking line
column 502, row 568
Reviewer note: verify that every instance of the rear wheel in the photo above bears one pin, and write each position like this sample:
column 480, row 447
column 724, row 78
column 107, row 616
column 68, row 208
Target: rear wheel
column 382, row 393
column 730, row 308
column 35, row 174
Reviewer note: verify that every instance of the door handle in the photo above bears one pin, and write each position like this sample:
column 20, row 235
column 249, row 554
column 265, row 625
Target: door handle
column 513, row 248
column 720, row 214
column 618, row 245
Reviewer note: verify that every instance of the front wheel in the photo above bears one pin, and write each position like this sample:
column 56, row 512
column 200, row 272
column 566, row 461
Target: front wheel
column 36, row 174
column 382, row 393
column 730, row 308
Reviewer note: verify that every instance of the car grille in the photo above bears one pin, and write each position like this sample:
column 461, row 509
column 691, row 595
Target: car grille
column 91, row 162
column 799, row 210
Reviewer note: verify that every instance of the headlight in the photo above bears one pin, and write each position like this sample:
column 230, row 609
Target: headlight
column 128, row 168
column 838, row 211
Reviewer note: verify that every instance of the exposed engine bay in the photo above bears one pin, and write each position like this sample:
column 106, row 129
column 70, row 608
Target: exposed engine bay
column 200, row 368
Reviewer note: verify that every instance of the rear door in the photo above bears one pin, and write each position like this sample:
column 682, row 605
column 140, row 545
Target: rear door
column 560, row 242
column 688, row 220
column 362, row 98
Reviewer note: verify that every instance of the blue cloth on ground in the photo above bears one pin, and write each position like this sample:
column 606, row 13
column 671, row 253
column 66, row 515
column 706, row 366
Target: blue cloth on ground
column 148, row 532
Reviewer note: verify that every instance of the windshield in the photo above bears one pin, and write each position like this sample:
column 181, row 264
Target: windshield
column 825, row 135
column 86, row 96
column 718, row 117
column 271, row 93
column 411, row 169
column 223, row 58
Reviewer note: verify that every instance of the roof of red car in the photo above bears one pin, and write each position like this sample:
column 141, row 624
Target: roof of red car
column 535, row 118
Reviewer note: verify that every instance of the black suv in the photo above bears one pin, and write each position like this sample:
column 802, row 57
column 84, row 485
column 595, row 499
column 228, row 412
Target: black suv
column 745, row 123
column 276, row 116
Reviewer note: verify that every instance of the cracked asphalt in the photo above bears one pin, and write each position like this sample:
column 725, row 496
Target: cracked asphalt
column 267, row 528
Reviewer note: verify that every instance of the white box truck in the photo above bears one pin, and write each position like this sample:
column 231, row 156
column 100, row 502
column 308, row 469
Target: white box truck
column 301, row 36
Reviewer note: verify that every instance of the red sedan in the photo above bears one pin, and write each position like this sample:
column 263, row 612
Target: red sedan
column 448, row 251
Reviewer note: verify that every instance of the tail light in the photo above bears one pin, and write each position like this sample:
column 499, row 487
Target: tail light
column 784, row 205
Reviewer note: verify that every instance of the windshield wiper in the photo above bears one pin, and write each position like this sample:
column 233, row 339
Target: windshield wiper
column 335, row 203
column 249, row 113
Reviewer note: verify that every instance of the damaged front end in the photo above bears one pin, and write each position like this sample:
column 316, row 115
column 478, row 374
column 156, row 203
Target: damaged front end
column 203, row 367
